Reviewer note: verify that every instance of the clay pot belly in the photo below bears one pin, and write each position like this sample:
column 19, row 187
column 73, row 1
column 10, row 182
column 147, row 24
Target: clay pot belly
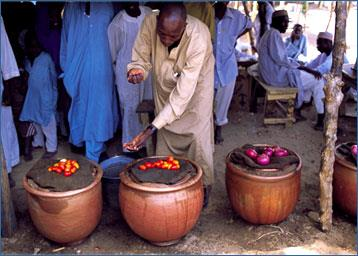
column 66, row 217
column 161, row 214
column 262, row 199
column 345, row 185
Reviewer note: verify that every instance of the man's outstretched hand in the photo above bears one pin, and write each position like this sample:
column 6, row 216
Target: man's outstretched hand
column 135, row 75
column 138, row 142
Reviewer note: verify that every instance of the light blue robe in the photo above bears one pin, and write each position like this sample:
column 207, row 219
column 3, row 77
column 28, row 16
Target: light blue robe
column 41, row 97
column 297, row 47
column 88, row 76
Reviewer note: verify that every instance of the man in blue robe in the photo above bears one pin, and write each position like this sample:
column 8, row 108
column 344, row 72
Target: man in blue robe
column 88, row 76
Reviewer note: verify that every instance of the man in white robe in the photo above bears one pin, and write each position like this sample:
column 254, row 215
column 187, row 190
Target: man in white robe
column 277, row 70
column 122, row 32
column 178, row 47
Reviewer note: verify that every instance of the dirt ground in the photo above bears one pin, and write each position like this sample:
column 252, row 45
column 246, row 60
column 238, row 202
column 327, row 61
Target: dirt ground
column 219, row 230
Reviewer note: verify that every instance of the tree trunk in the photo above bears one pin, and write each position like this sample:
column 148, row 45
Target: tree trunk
column 8, row 219
column 252, row 40
column 333, row 99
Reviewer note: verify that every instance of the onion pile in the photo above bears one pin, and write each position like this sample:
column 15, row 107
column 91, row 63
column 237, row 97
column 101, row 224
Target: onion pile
column 264, row 158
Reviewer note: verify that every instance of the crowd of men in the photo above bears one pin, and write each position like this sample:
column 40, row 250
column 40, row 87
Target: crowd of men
column 71, row 68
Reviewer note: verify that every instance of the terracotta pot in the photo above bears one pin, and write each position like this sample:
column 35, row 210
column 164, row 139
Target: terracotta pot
column 159, row 213
column 345, row 185
column 262, row 200
column 66, row 217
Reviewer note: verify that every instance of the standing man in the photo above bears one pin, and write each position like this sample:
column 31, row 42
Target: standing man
column 230, row 25
column 277, row 70
column 179, row 49
column 88, row 76
column 122, row 33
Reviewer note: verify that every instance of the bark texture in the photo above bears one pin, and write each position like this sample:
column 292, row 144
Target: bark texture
column 334, row 96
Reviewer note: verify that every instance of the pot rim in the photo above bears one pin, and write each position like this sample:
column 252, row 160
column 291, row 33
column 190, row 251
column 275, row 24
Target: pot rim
column 128, row 182
column 343, row 161
column 50, row 194
column 266, row 178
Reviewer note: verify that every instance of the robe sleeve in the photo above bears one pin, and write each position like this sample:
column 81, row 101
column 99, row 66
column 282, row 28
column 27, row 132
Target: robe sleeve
column 141, row 52
column 115, row 37
column 9, row 67
column 184, row 90
column 304, row 47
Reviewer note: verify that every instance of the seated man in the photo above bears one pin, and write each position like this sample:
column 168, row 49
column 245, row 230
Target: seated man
column 322, row 63
column 277, row 70
column 296, row 44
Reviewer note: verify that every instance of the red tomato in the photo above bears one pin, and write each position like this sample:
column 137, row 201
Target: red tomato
column 56, row 169
column 170, row 159
column 174, row 168
column 73, row 169
column 142, row 167
column 66, row 174
column 148, row 165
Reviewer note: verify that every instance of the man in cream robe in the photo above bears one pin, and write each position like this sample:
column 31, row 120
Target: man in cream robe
column 183, row 69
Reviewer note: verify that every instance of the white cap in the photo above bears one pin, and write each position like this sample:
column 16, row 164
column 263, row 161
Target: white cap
column 325, row 35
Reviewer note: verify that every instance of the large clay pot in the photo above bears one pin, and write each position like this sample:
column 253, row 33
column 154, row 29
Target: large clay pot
column 260, row 199
column 66, row 217
column 159, row 213
column 345, row 185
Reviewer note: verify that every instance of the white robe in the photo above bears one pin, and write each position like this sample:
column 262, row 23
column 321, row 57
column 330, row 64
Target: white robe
column 277, row 70
column 8, row 132
column 122, row 33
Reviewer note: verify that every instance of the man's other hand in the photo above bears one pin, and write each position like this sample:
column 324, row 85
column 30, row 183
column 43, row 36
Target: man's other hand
column 135, row 75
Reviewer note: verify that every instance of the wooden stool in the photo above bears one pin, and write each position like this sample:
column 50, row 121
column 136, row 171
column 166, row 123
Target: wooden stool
column 277, row 95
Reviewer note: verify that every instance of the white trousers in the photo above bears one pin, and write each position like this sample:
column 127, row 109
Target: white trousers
column 50, row 132
column 223, row 96
column 9, row 139
column 313, row 87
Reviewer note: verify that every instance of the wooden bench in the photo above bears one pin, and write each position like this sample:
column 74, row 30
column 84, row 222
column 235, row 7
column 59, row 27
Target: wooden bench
column 277, row 95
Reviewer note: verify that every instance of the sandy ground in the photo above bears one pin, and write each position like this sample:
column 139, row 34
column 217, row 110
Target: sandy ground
column 219, row 230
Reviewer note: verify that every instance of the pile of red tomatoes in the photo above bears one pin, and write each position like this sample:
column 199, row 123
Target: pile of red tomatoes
column 168, row 164
column 265, row 157
column 65, row 167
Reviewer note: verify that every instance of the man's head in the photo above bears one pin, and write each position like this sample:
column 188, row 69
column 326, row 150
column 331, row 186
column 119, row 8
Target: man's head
column 171, row 23
column 32, row 45
column 324, row 42
column 280, row 20
column 297, row 31
column 131, row 8
column 220, row 9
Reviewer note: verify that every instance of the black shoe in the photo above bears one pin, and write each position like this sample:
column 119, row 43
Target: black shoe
column 28, row 157
column 298, row 116
column 218, row 136
column 78, row 150
column 318, row 127
column 104, row 156
column 28, row 149
column 48, row 155
column 11, row 181
column 320, row 123
column 207, row 190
